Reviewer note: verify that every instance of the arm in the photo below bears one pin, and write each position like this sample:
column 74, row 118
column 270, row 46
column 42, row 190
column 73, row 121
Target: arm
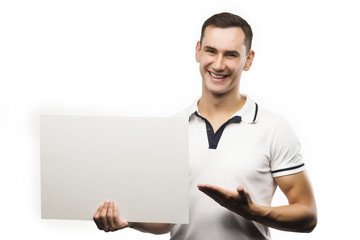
column 154, row 228
column 299, row 216
column 107, row 218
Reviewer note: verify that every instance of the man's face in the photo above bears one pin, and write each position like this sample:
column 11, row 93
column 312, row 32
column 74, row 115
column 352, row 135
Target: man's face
column 222, row 57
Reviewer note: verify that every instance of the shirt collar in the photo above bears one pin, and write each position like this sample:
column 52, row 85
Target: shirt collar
column 248, row 112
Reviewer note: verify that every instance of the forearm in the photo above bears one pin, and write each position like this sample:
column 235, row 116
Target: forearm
column 294, row 217
column 299, row 216
column 154, row 228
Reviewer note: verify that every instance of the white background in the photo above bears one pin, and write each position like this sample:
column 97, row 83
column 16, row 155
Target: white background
column 137, row 58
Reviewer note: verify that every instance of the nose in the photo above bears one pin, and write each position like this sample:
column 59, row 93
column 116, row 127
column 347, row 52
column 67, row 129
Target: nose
column 218, row 64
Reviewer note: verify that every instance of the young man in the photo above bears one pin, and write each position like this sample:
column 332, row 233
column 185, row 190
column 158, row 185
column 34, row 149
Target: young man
column 239, row 152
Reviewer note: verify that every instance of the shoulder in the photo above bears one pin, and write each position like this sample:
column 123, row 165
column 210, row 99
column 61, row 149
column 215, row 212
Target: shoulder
column 275, row 125
column 268, row 118
column 284, row 146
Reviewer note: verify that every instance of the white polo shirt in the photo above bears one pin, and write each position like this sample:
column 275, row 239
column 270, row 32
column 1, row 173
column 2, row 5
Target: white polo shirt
column 252, row 148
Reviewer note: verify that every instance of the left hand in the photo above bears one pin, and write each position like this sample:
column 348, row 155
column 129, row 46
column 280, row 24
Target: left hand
column 238, row 201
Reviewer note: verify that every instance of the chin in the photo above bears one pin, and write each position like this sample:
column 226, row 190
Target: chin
column 218, row 92
column 216, row 89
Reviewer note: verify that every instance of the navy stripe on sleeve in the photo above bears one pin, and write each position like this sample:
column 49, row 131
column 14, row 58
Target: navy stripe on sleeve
column 288, row 169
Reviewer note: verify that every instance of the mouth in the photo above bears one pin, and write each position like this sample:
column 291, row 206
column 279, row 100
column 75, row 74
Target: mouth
column 217, row 76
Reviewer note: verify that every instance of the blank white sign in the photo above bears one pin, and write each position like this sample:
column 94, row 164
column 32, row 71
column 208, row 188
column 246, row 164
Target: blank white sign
column 140, row 163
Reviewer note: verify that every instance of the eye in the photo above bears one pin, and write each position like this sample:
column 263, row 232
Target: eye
column 210, row 51
column 232, row 55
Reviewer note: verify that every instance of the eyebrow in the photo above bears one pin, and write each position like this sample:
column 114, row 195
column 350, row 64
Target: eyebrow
column 233, row 52
column 209, row 48
column 226, row 52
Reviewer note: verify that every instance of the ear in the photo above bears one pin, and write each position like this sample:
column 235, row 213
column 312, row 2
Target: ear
column 197, row 51
column 249, row 60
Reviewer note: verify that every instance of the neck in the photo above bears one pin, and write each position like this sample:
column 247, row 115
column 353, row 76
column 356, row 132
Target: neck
column 213, row 105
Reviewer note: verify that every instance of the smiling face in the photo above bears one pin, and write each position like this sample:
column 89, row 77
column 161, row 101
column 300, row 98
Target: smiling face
column 222, row 56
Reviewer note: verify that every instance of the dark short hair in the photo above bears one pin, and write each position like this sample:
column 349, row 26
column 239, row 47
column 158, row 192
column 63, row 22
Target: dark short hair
column 226, row 20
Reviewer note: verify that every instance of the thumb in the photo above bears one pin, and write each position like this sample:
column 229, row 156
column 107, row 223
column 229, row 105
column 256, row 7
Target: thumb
column 244, row 195
column 240, row 189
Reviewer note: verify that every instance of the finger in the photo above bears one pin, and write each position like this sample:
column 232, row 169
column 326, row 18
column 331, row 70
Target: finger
column 109, row 216
column 103, row 214
column 214, row 196
column 222, row 196
column 215, row 191
column 221, row 200
column 96, row 218
column 218, row 197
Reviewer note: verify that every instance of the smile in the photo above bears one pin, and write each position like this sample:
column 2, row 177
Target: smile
column 217, row 76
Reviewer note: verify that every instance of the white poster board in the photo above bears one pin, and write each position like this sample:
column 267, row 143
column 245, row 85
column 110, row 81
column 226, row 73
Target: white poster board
column 140, row 163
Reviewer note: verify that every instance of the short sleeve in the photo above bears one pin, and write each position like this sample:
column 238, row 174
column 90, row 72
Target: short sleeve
column 286, row 157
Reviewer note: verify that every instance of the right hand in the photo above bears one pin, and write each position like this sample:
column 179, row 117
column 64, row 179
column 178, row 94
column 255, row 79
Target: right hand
column 107, row 218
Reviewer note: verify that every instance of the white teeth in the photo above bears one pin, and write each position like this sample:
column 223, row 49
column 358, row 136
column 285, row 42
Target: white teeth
column 217, row 76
